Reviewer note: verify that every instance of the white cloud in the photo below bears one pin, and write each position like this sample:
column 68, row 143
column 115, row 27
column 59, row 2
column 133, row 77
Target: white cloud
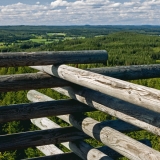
column 61, row 12
column 59, row 3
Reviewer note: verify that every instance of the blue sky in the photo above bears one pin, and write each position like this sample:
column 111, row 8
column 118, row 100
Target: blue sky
column 79, row 12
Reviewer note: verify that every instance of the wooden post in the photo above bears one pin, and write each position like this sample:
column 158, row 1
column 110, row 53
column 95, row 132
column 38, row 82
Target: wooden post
column 127, row 112
column 37, row 138
column 140, row 95
column 55, row 57
column 28, row 81
column 41, row 109
column 107, row 135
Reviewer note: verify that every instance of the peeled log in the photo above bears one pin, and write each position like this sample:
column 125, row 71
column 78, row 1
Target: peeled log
column 119, row 125
column 76, row 120
column 41, row 80
column 12, row 59
column 94, row 129
column 80, row 148
column 119, row 142
column 84, row 150
column 140, row 95
column 130, row 113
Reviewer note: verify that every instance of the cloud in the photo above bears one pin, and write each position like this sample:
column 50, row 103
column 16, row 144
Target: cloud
column 37, row 3
column 58, row 3
column 79, row 12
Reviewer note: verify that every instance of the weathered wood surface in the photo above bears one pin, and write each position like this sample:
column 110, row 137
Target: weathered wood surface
column 119, row 142
column 49, row 149
column 41, row 109
column 80, row 148
column 41, row 80
column 130, row 113
column 111, row 153
column 45, row 123
column 64, row 156
column 124, row 144
column 37, row 138
column 36, row 96
column 84, row 150
column 28, row 81
column 130, row 72
column 12, row 59
column 140, row 95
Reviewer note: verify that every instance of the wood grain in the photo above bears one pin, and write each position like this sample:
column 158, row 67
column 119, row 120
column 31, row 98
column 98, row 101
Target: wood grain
column 82, row 123
column 130, row 113
column 12, row 59
column 140, row 95
column 80, row 148
column 41, row 80
column 36, row 96
column 119, row 142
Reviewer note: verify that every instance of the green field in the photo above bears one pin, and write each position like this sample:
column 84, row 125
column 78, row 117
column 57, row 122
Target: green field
column 99, row 35
column 58, row 34
column 38, row 40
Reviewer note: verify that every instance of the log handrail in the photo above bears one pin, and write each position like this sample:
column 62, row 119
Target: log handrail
column 136, row 106
column 80, row 147
column 37, row 138
column 125, row 111
column 12, row 59
column 42, row 80
column 140, row 95
column 41, row 109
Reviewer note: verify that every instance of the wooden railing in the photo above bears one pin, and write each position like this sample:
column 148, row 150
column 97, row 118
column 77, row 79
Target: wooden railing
column 136, row 107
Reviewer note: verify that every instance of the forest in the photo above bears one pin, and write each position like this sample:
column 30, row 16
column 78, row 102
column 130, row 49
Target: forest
column 126, row 45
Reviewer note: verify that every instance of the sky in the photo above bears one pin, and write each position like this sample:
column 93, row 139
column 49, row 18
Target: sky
column 79, row 12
